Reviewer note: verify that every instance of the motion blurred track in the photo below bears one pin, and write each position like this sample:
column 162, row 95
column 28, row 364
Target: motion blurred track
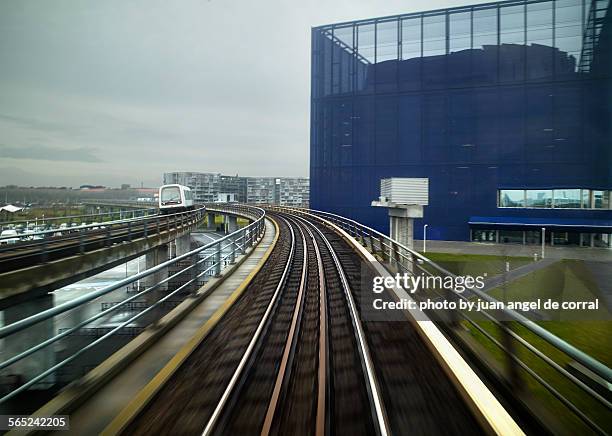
column 294, row 356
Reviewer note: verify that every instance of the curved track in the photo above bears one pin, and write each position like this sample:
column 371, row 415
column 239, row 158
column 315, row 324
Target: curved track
column 293, row 356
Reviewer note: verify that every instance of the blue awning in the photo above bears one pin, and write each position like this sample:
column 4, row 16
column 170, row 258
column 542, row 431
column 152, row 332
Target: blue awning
column 540, row 222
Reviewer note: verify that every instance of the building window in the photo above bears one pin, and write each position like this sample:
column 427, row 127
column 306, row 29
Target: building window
column 586, row 199
column 538, row 198
column 511, row 236
column 601, row 200
column 602, row 240
column 484, row 236
column 533, row 237
column 567, row 198
column 571, row 198
column 511, row 198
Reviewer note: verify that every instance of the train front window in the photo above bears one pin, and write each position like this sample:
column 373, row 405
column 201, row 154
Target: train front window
column 171, row 194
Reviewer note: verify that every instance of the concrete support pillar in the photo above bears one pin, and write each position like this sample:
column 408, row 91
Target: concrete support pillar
column 401, row 227
column 402, row 230
column 155, row 257
column 232, row 223
column 183, row 244
column 29, row 367
column 210, row 220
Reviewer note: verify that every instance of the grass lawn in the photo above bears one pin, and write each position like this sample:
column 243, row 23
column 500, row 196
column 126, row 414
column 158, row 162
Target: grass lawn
column 241, row 221
column 476, row 264
column 567, row 280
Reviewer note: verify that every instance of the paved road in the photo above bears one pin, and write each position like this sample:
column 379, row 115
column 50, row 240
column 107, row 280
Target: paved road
column 516, row 273
column 603, row 277
column 461, row 247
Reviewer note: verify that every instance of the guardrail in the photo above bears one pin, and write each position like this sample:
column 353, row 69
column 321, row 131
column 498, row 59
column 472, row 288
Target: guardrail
column 224, row 251
column 127, row 203
column 398, row 257
column 44, row 245
column 79, row 219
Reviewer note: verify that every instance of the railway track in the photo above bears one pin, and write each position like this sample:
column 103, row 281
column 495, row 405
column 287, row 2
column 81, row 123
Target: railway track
column 294, row 356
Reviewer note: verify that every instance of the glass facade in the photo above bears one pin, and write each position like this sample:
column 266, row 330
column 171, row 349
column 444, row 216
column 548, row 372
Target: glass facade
column 568, row 198
column 514, row 94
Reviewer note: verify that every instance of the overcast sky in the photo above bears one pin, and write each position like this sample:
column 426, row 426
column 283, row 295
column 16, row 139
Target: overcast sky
column 111, row 92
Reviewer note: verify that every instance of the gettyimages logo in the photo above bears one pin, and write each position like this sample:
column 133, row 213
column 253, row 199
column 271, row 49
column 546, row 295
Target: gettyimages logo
column 412, row 283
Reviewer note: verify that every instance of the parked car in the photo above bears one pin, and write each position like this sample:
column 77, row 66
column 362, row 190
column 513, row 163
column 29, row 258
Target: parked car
column 6, row 233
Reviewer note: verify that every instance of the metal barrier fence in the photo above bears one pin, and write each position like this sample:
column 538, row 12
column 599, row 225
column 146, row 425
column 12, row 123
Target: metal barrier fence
column 69, row 220
column 397, row 257
column 224, row 250
column 45, row 243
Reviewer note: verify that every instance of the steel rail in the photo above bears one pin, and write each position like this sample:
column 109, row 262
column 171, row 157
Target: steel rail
column 323, row 345
column 359, row 231
column 581, row 357
column 46, row 314
column 379, row 413
column 292, row 338
column 208, row 429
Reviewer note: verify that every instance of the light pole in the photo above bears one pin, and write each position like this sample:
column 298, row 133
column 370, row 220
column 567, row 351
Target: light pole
column 543, row 240
column 425, row 238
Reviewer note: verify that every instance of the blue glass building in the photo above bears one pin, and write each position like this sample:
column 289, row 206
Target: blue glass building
column 505, row 107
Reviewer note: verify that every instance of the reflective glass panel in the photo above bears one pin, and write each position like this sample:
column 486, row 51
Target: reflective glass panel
column 411, row 38
column 434, row 35
column 568, row 198
column 485, row 27
column 539, row 198
column 601, row 199
column 512, row 40
column 512, row 198
column 483, row 235
column 365, row 42
column 459, row 31
column 539, row 23
column 568, row 34
column 512, row 25
column 386, row 41
column 343, row 60
column 539, row 40
column 511, row 236
column 586, row 198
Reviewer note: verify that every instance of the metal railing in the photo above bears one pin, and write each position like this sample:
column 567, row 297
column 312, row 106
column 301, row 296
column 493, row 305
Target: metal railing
column 202, row 261
column 118, row 203
column 47, row 245
column 397, row 257
column 47, row 222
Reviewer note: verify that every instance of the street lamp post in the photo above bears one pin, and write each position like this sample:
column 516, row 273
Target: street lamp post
column 543, row 240
column 425, row 238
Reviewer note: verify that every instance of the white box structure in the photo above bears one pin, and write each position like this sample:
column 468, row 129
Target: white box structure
column 409, row 191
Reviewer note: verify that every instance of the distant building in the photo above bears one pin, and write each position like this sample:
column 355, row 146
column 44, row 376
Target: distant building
column 286, row 191
column 234, row 185
column 207, row 187
column 261, row 190
column 226, row 198
column 294, row 191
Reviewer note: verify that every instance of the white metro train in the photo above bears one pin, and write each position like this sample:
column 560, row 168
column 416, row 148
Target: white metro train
column 175, row 198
